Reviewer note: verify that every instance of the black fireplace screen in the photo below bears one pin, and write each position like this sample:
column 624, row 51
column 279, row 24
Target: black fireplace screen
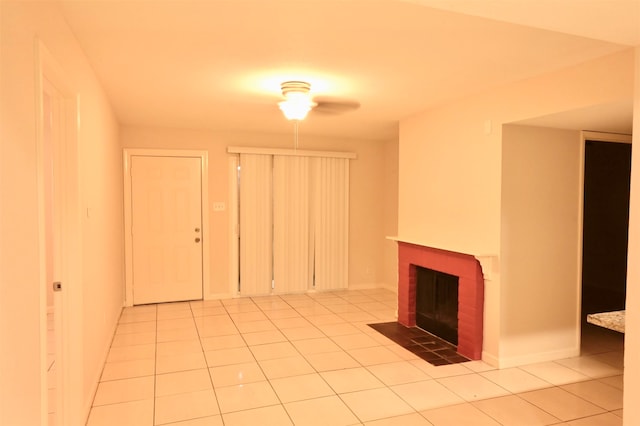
column 437, row 303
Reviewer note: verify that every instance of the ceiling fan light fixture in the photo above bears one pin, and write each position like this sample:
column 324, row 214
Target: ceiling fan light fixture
column 295, row 109
column 297, row 103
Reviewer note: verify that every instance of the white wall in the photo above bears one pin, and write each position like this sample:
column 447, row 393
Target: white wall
column 103, row 232
column 540, row 244
column 370, row 189
column 632, row 327
column 451, row 156
column 100, row 265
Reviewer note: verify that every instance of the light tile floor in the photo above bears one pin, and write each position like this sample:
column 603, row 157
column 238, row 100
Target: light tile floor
column 312, row 360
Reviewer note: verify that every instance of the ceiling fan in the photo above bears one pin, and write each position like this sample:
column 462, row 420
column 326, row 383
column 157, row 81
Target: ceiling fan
column 297, row 102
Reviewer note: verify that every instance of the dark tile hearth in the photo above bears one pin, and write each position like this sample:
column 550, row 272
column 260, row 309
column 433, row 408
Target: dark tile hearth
column 431, row 348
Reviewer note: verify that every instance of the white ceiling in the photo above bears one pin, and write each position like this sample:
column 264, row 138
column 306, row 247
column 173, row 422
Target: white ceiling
column 217, row 64
column 617, row 21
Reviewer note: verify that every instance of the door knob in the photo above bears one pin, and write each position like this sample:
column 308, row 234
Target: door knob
column 197, row 229
column 197, row 240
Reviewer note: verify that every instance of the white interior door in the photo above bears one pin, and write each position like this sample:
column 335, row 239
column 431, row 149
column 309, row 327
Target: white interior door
column 53, row 199
column 62, row 391
column 166, row 228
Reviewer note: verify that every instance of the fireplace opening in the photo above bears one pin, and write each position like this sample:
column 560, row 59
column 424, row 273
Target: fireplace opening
column 437, row 303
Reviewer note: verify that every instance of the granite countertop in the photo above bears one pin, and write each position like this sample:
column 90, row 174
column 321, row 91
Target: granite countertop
column 611, row 320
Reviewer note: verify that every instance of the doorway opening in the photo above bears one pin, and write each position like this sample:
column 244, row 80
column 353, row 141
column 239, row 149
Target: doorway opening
column 607, row 173
column 59, row 234
column 52, row 234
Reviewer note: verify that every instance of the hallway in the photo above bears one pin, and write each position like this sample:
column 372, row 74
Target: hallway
column 311, row 359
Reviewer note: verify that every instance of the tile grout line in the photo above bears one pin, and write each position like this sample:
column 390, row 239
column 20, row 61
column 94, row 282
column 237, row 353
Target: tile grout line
column 241, row 334
column 207, row 369
column 337, row 394
column 357, row 324
column 260, row 366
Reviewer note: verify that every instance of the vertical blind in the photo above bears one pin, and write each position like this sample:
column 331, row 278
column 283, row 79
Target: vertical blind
column 330, row 233
column 294, row 220
column 292, row 271
column 256, row 242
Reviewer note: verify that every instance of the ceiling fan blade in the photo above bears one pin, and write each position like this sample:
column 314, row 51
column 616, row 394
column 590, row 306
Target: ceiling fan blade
column 333, row 105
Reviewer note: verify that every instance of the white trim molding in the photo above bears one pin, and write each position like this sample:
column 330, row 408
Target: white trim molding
column 50, row 78
column 292, row 152
column 605, row 137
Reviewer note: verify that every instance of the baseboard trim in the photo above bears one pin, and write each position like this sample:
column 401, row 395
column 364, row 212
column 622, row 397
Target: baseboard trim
column 219, row 296
column 391, row 287
column 518, row 360
column 490, row 359
column 370, row 286
column 361, row 286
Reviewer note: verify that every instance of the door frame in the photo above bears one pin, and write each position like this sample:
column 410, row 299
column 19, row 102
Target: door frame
column 585, row 136
column 52, row 79
column 128, row 240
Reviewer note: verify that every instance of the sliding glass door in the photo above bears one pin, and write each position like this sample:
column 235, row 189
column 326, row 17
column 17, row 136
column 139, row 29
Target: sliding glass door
column 294, row 223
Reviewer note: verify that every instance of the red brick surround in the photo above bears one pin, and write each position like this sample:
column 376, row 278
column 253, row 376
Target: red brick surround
column 470, row 291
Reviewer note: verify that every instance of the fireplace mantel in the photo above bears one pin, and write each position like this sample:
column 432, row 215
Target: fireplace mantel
column 489, row 262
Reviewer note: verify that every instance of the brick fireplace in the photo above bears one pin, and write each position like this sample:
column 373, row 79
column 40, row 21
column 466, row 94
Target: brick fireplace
column 470, row 291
